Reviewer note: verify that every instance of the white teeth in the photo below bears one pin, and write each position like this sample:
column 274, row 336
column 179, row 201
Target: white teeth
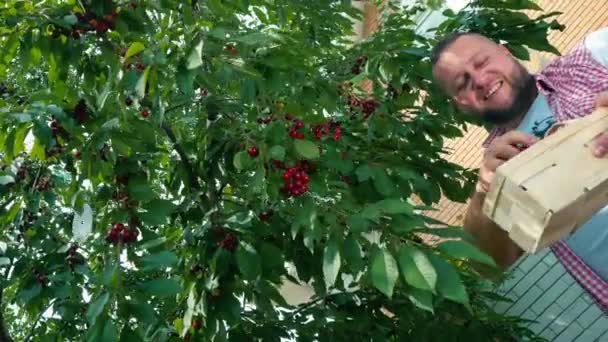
column 494, row 89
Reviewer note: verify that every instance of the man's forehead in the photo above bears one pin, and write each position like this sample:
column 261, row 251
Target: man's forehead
column 465, row 47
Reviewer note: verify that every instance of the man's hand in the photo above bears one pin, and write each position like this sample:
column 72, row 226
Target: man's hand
column 600, row 150
column 502, row 149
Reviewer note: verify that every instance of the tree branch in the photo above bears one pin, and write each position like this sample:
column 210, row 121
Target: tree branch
column 183, row 156
column 29, row 336
column 309, row 304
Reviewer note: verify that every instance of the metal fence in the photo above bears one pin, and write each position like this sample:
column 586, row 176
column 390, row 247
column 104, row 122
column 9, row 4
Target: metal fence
column 542, row 290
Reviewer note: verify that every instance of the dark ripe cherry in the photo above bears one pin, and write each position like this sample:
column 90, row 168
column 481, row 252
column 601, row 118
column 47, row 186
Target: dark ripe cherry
column 265, row 215
column 253, row 151
column 128, row 101
column 299, row 124
column 197, row 324
column 204, row 92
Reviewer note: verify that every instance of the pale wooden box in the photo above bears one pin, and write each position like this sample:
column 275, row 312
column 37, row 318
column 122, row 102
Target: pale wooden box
column 548, row 191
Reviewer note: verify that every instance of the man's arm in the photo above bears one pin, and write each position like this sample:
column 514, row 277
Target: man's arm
column 489, row 237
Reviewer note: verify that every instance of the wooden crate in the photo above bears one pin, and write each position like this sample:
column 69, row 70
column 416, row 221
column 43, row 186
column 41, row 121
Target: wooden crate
column 548, row 191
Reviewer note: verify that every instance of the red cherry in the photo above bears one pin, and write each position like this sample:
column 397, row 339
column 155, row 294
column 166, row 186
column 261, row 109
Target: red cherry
column 119, row 226
column 204, row 92
column 305, row 178
column 294, row 134
column 299, row 135
column 145, row 113
column 253, row 152
column 299, row 124
column 265, row 215
column 278, row 164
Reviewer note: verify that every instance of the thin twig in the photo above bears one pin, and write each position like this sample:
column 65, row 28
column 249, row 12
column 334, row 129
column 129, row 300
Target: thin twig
column 183, row 156
column 36, row 179
column 309, row 304
column 29, row 336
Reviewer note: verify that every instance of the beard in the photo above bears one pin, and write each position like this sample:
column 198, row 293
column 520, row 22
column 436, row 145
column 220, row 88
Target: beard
column 524, row 94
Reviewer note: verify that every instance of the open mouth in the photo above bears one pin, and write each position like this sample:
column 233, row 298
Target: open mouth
column 493, row 90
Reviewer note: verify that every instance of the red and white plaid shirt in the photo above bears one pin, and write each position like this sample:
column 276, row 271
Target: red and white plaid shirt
column 571, row 84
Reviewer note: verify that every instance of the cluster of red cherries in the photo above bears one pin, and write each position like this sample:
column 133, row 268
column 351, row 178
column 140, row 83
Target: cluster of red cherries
column 366, row 106
column 322, row 130
column 122, row 234
column 296, row 181
column 294, row 131
column 41, row 278
column 229, row 240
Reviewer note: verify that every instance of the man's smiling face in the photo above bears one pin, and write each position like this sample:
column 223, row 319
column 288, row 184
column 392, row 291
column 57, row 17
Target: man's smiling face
column 484, row 79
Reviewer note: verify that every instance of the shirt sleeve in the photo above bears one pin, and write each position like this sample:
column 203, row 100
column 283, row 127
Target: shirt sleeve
column 597, row 44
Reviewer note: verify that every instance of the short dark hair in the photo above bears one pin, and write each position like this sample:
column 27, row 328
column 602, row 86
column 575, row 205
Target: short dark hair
column 445, row 43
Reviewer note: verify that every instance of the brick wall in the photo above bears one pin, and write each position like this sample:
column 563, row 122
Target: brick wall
column 580, row 17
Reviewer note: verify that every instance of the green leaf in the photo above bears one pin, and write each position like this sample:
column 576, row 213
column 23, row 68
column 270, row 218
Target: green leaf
column 256, row 38
column 139, row 190
column 382, row 182
column 331, row 262
column 395, row 206
column 6, row 179
column 110, row 333
column 416, row 268
column 96, row 307
column 241, row 160
column 26, row 295
column 248, row 261
column 134, row 49
column 465, row 250
column 110, row 275
column 351, row 250
column 4, row 261
column 195, row 59
column 421, row 298
column 364, row 172
column 140, row 87
column 519, row 52
column 159, row 260
column 158, row 211
column 277, row 152
column 307, row 149
column 384, row 271
column 357, row 224
column 161, row 287
column 449, row 283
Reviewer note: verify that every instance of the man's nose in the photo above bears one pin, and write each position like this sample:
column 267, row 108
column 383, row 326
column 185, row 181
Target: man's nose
column 480, row 80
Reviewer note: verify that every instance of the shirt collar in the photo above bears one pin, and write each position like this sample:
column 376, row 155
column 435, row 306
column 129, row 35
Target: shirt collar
column 544, row 85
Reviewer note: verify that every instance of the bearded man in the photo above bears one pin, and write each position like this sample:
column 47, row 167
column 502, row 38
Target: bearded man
column 483, row 79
